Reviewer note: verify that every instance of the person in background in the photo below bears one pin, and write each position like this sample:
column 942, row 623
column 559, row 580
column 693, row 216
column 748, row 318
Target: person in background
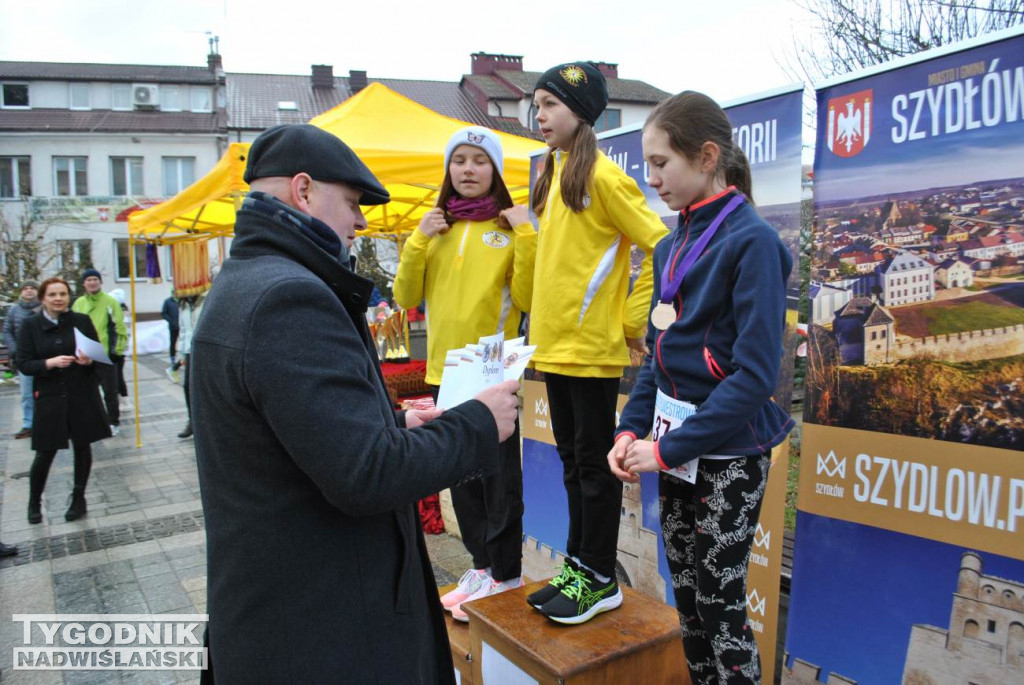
column 472, row 260
column 169, row 313
column 189, row 309
column 106, row 316
column 376, row 298
column 118, row 359
column 26, row 306
column 68, row 405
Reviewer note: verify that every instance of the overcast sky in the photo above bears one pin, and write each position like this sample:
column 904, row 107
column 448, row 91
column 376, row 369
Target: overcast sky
column 727, row 49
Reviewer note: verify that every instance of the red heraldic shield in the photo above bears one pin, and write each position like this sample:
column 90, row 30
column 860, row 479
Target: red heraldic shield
column 849, row 123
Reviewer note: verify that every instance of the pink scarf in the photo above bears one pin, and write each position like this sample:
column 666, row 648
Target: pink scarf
column 479, row 209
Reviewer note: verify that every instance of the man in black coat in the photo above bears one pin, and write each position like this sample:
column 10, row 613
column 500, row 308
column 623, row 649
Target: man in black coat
column 317, row 567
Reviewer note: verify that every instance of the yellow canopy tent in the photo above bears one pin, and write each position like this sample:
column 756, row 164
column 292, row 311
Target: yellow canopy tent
column 403, row 144
column 204, row 210
column 400, row 140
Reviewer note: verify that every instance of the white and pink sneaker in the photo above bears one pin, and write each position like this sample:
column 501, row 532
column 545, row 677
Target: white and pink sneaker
column 491, row 588
column 471, row 581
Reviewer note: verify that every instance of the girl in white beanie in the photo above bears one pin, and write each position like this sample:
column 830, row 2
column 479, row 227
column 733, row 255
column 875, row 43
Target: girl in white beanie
column 471, row 259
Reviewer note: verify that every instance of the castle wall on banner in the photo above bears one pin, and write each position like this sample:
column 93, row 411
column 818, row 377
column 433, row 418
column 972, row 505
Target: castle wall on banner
column 985, row 639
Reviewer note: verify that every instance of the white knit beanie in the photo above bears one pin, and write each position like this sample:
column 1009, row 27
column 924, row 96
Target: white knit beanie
column 479, row 137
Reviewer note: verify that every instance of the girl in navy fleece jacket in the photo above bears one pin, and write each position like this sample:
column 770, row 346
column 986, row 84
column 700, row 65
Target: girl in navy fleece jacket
column 704, row 393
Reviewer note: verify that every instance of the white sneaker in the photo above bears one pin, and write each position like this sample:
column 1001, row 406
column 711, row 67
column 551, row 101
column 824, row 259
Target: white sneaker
column 114, row 430
column 471, row 581
column 172, row 375
column 492, row 588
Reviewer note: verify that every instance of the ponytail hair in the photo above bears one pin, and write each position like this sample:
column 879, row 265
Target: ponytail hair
column 691, row 119
column 576, row 175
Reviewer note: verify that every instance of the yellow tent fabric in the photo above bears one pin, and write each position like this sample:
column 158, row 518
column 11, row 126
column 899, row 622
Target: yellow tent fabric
column 399, row 139
column 206, row 209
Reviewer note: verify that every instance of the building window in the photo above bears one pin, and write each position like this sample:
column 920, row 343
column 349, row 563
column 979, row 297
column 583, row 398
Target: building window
column 79, row 96
column 168, row 261
column 126, row 176
column 170, row 98
column 123, row 265
column 72, row 258
column 121, row 98
column 15, row 95
column 69, row 176
column 609, row 119
column 16, row 262
column 179, row 173
column 201, row 101
column 15, row 177
column 991, row 626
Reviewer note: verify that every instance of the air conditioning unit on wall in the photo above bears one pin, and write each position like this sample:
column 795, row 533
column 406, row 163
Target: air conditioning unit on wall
column 145, row 95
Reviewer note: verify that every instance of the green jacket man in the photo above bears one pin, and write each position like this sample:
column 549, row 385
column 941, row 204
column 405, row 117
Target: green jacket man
column 103, row 309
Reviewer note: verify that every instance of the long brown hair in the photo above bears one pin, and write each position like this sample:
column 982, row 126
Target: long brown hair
column 691, row 119
column 577, row 174
column 498, row 191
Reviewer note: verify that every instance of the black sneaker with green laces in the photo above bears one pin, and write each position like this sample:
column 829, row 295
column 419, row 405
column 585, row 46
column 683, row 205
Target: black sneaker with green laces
column 566, row 575
column 583, row 599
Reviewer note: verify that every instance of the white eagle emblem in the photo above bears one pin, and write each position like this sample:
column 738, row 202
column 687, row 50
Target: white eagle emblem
column 849, row 123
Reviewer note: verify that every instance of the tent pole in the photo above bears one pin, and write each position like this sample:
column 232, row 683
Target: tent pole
column 135, row 339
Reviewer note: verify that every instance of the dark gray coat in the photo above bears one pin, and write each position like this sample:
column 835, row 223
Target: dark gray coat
column 12, row 324
column 317, row 568
column 67, row 401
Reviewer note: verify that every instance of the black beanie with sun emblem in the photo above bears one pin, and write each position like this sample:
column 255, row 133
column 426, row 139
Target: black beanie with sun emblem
column 580, row 85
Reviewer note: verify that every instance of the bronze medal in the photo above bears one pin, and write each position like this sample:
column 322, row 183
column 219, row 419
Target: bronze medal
column 663, row 316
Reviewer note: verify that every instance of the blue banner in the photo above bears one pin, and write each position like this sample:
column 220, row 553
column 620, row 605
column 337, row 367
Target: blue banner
column 909, row 553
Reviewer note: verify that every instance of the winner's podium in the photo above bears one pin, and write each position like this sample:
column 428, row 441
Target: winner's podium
column 510, row 643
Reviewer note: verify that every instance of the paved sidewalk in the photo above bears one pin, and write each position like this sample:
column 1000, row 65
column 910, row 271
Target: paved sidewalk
column 141, row 549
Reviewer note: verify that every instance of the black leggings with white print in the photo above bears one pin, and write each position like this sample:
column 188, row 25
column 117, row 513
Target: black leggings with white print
column 708, row 528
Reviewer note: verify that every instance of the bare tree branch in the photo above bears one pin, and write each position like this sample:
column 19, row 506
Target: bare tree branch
column 853, row 34
column 25, row 252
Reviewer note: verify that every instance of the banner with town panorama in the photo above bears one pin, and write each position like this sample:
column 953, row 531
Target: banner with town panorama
column 909, row 555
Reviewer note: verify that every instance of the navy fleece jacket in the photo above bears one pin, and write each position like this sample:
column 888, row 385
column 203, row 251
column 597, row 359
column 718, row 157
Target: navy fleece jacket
column 724, row 349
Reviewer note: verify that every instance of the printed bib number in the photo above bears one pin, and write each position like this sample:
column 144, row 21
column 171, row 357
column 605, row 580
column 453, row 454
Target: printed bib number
column 669, row 414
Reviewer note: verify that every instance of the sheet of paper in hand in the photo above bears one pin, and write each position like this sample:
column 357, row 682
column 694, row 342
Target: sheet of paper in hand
column 90, row 348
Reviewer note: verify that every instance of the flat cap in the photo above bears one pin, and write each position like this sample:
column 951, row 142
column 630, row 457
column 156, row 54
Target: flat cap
column 288, row 150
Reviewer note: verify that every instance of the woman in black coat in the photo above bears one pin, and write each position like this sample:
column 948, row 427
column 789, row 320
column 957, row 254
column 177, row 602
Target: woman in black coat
column 67, row 399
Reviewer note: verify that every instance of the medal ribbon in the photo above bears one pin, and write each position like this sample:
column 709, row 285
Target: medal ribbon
column 670, row 283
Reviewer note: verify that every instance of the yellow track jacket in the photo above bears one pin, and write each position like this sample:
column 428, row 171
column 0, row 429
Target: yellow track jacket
column 477, row 279
column 581, row 314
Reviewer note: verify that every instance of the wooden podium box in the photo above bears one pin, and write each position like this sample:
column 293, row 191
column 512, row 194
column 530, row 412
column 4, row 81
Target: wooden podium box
column 458, row 638
column 511, row 643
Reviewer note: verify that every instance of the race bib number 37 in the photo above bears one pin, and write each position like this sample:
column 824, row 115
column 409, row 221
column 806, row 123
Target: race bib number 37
column 669, row 414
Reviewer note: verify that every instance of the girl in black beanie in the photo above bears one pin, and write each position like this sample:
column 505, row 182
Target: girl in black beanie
column 591, row 214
